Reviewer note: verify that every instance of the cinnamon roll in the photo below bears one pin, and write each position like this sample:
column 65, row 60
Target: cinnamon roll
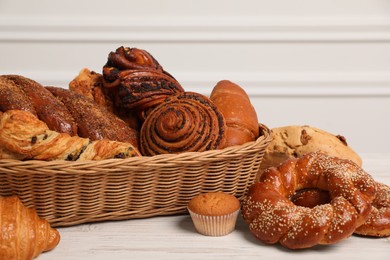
column 137, row 81
column 188, row 122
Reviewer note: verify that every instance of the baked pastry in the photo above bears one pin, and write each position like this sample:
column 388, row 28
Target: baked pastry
column 273, row 218
column 95, row 122
column 12, row 97
column 310, row 197
column 214, row 213
column 137, row 81
column 241, row 119
column 295, row 141
column 47, row 107
column 90, row 84
column 378, row 222
column 27, row 137
column 23, row 234
column 189, row 122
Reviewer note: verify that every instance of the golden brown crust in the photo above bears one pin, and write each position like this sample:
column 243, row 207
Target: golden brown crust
column 310, row 197
column 12, row 97
column 378, row 222
column 26, row 137
column 273, row 218
column 294, row 141
column 23, row 234
column 95, row 122
column 103, row 149
column 90, row 84
column 214, row 204
column 235, row 105
column 48, row 108
column 189, row 122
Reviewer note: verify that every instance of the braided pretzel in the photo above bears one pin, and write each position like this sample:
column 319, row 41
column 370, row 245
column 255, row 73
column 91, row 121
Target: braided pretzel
column 377, row 223
column 273, row 218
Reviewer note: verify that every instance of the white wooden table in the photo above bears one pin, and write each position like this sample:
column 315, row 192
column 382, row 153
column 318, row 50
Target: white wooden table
column 174, row 237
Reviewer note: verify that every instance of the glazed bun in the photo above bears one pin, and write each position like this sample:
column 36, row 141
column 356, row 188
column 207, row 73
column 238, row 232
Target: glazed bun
column 235, row 105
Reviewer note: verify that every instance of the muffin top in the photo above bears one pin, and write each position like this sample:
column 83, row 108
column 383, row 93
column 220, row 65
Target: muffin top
column 214, row 204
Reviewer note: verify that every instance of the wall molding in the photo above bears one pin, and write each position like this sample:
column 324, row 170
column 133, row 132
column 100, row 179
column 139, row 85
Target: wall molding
column 194, row 29
column 65, row 29
column 263, row 85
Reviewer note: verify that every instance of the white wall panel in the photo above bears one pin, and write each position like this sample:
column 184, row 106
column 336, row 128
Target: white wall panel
column 317, row 62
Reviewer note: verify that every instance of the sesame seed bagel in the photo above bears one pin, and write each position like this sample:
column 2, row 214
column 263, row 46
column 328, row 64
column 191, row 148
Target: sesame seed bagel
column 378, row 222
column 273, row 218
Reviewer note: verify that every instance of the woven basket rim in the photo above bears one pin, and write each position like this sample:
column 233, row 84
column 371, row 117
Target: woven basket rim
column 68, row 193
column 156, row 159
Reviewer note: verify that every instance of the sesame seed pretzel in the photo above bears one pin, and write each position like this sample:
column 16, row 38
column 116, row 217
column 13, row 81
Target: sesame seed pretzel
column 273, row 218
column 378, row 221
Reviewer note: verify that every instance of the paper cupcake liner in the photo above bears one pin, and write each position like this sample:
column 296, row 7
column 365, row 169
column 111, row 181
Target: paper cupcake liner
column 214, row 225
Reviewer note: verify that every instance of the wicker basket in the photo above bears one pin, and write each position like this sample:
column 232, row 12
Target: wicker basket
column 70, row 193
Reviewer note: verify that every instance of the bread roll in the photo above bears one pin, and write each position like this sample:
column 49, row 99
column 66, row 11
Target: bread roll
column 90, row 84
column 295, row 141
column 47, row 107
column 95, row 122
column 235, row 105
column 12, row 97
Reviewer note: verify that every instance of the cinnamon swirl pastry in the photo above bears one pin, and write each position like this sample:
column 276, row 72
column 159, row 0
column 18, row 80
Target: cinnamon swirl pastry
column 137, row 81
column 185, row 123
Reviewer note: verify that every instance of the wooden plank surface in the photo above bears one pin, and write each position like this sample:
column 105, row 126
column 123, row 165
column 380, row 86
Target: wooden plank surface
column 174, row 237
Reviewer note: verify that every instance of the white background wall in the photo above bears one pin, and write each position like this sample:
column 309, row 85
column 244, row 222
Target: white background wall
column 324, row 63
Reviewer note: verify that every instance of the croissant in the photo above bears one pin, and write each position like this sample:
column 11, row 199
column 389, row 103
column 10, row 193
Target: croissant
column 241, row 118
column 137, row 81
column 26, row 137
column 23, row 234
column 189, row 122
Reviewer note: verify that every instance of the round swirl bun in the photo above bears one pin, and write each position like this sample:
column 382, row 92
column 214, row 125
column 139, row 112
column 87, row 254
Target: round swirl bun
column 137, row 81
column 189, row 122
column 273, row 218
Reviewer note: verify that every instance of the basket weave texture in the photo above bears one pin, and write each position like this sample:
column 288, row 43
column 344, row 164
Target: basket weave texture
column 70, row 193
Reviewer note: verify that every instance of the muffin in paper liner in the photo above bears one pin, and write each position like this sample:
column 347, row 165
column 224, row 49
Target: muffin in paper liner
column 214, row 213
column 214, row 225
